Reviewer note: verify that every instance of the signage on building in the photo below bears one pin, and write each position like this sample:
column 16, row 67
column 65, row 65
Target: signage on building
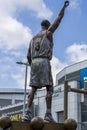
column 16, row 117
column 83, row 77
column 56, row 92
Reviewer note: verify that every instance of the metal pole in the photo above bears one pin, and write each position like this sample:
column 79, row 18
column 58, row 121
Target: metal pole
column 26, row 70
column 65, row 99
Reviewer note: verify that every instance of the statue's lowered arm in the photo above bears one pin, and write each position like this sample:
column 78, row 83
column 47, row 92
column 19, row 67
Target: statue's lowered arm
column 57, row 21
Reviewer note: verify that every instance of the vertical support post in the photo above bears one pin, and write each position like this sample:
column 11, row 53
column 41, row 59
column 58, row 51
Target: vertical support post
column 26, row 69
column 65, row 99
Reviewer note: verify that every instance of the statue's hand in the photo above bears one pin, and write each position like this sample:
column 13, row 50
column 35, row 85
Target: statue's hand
column 66, row 3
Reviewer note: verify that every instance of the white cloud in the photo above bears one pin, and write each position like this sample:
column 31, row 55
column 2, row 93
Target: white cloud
column 6, row 64
column 16, row 53
column 75, row 4
column 6, row 59
column 37, row 6
column 19, row 80
column 13, row 34
column 3, row 76
column 9, row 7
column 76, row 52
column 57, row 66
column 19, row 77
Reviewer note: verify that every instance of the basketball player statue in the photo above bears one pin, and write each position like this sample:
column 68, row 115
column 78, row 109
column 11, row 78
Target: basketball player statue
column 39, row 56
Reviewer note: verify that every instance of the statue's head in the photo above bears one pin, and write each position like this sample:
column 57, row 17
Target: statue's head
column 45, row 24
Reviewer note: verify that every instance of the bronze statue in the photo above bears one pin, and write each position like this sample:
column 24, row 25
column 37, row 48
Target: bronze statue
column 39, row 56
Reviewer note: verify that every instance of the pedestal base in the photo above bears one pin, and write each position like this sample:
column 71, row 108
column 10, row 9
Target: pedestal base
column 18, row 125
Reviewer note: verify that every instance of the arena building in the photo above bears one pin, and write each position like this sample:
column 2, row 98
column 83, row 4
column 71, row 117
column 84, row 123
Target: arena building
column 11, row 101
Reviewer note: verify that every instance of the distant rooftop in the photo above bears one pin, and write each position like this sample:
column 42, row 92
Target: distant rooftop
column 12, row 91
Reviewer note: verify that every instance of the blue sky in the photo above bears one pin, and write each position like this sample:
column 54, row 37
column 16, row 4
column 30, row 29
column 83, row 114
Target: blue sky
column 20, row 21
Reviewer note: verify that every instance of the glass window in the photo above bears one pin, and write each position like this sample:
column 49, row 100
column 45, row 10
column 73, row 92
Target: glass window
column 60, row 116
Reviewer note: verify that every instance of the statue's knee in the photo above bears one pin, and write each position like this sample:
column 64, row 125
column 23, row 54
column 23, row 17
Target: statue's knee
column 48, row 97
column 30, row 95
column 32, row 92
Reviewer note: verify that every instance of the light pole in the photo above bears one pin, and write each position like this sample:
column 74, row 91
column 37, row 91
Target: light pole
column 26, row 70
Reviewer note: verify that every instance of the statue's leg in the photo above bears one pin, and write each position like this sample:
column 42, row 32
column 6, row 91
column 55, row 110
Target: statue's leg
column 31, row 97
column 48, row 115
column 28, row 115
column 49, row 97
column 48, row 101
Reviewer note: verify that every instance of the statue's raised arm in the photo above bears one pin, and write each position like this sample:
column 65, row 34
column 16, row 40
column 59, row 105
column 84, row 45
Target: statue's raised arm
column 57, row 21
